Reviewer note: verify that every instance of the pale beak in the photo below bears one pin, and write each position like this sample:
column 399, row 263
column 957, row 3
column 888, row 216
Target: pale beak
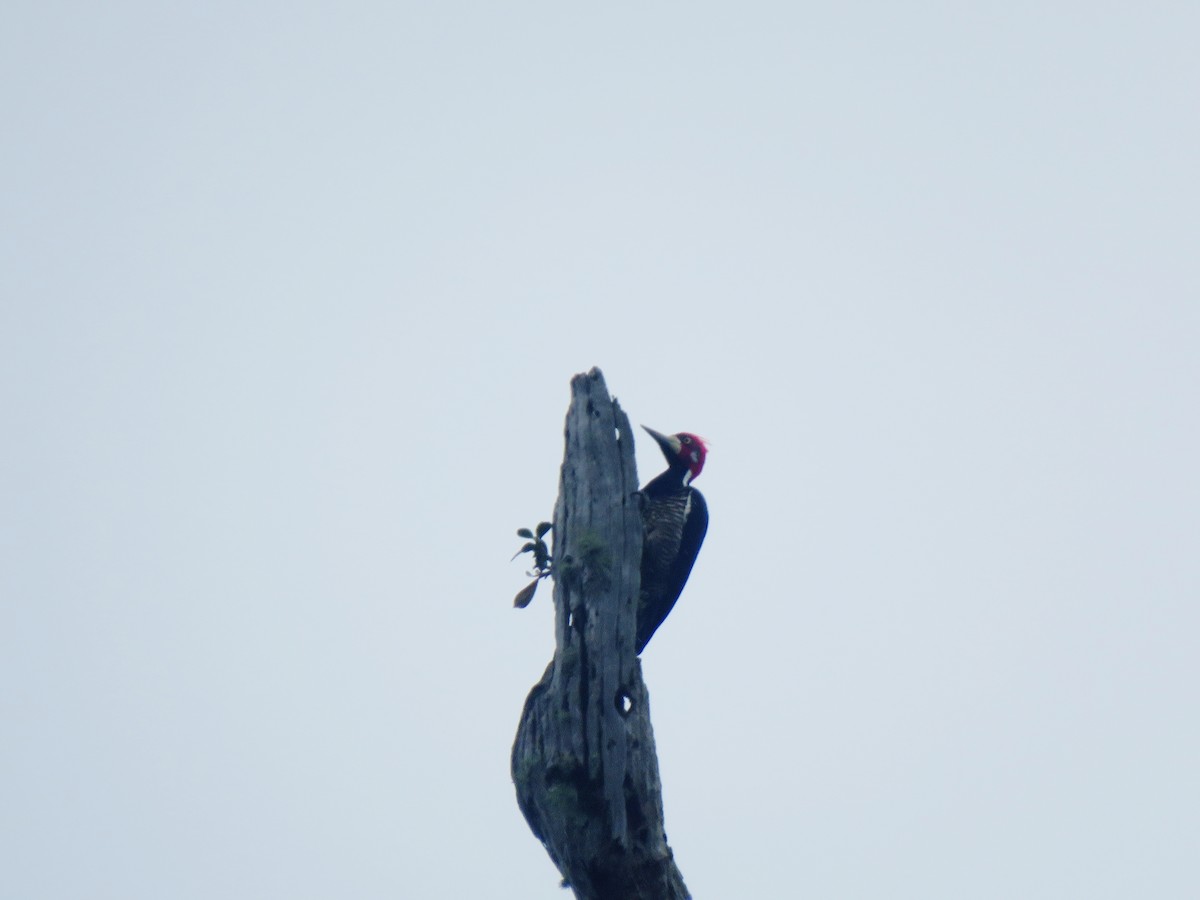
column 670, row 445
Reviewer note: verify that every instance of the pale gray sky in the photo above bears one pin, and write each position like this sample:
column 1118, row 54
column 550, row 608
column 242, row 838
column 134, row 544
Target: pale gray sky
column 290, row 295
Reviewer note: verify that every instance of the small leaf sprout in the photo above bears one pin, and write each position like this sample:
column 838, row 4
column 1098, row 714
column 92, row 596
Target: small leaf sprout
column 542, row 561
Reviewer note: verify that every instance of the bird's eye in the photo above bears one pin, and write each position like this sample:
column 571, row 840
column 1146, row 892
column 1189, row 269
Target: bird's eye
column 684, row 439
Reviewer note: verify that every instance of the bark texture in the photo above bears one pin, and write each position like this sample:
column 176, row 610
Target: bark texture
column 584, row 762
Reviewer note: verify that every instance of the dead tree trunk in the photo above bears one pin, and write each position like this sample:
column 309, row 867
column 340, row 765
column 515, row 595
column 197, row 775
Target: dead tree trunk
column 584, row 762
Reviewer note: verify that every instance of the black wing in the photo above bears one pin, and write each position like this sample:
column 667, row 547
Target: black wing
column 660, row 594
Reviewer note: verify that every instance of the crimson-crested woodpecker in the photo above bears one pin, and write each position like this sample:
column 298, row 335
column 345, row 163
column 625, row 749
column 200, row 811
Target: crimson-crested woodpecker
column 675, row 518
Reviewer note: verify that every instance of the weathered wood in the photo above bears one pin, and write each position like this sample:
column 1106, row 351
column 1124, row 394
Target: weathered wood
column 584, row 762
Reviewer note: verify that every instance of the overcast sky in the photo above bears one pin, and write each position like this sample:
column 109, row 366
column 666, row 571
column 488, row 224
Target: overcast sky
column 290, row 296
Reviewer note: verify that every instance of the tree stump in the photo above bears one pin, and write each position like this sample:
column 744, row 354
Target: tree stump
column 584, row 762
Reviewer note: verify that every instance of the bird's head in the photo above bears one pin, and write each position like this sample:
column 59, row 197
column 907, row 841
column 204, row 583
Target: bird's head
column 683, row 451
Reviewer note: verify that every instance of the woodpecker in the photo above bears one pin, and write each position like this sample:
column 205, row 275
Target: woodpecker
column 675, row 518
